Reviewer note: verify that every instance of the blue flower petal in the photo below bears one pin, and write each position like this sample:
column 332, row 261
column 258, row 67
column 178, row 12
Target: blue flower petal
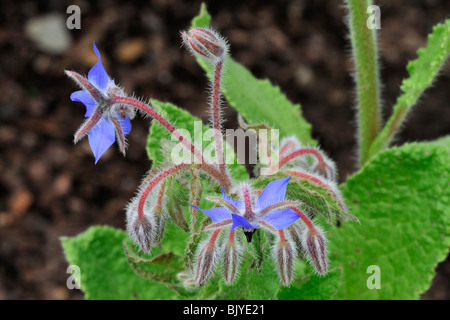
column 236, row 203
column 274, row 192
column 86, row 99
column 101, row 137
column 98, row 74
column 125, row 123
column 216, row 214
column 239, row 221
column 281, row 219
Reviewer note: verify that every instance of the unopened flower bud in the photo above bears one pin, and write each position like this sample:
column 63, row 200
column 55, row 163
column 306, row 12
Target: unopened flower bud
column 207, row 260
column 314, row 244
column 139, row 228
column 207, row 43
column 231, row 259
column 284, row 258
column 159, row 217
column 295, row 231
column 160, row 226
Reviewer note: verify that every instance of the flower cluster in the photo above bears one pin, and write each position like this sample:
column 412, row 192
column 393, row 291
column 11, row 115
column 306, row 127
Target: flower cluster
column 241, row 210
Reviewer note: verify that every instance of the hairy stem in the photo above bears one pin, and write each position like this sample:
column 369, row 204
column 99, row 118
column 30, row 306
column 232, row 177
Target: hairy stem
column 305, row 220
column 216, row 117
column 364, row 47
column 302, row 152
column 154, row 182
column 223, row 178
column 163, row 121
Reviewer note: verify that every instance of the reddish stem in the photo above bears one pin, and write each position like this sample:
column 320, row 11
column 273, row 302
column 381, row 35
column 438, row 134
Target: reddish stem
column 213, row 238
column 231, row 236
column 307, row 177
column 222, row 177
column 301, row 152
column 286, row 146
column 306, row 220
column 282, row 236
column 216, row 120
column 154, row 182
column 163, row 121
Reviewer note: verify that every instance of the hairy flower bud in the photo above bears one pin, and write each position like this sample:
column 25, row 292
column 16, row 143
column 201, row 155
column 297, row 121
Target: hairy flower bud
column 159, row 217
column 160, row 226
column 284, row 258
column 207, row 259
column 314, row 244
column 295, row 231
column 231, row 259
column 140, row 228
column 207, row 43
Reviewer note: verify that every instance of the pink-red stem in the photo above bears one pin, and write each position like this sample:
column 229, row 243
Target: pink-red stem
column 163, row 121
column 216, row 117
column 306, row 220
column 154, row 182
column 301, row 152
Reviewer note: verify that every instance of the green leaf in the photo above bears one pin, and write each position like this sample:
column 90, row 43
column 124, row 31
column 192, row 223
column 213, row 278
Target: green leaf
column 422, row 73
column 105, row 273
column 443, row 142
column 402, row 198
column 163, row 268
column 203, row 18
column 313, row 287
column 159, row 145
column 257, row 100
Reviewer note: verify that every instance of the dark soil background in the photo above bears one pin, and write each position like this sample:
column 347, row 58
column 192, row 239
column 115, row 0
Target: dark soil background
column 50, row 188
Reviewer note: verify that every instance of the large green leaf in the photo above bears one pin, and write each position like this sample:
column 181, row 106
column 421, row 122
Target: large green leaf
column 422, row 72
column 105, row 273
column 159, row 139
column 313, row 287
column 257, row 100
column 443, row 142
column 402, row 199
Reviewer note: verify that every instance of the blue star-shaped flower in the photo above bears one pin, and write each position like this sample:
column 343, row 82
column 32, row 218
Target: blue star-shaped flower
column 250, row 214
column 106, row 121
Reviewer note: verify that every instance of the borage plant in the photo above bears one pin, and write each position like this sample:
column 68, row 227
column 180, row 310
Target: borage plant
column 202, row 227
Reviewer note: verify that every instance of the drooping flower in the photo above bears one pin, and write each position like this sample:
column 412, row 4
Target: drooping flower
column 107, row 121
column 270, row 210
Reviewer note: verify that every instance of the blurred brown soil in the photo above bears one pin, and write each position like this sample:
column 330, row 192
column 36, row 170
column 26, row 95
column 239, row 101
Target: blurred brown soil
column 50, row 188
